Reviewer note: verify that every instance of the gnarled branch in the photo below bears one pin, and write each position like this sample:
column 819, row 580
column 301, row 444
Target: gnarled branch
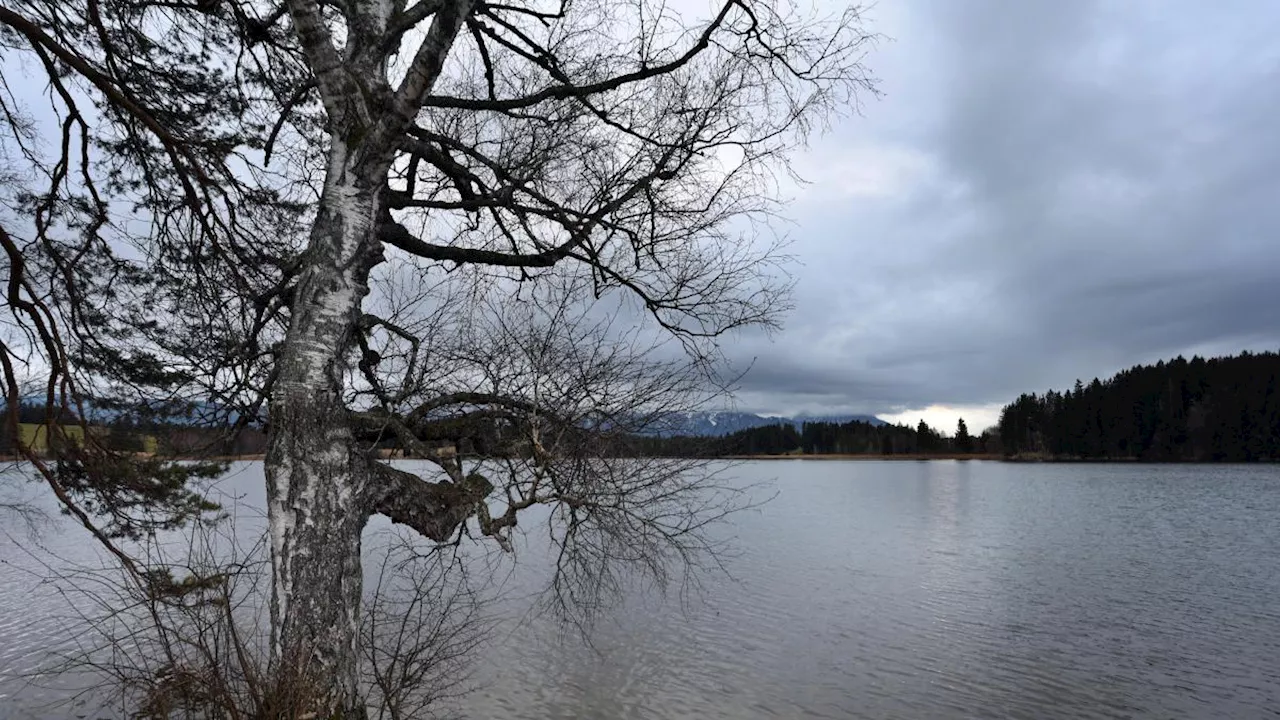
column 434, row 509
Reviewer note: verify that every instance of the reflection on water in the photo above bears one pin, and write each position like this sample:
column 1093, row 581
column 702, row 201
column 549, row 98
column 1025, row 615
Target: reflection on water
column 907, row 590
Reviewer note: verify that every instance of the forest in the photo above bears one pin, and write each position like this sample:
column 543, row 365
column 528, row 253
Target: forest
column 125, row 433
column 1222, row 409
column 826, row 438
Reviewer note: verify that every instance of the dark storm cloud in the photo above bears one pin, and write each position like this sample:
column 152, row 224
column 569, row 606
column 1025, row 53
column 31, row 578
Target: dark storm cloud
column 1049, row 190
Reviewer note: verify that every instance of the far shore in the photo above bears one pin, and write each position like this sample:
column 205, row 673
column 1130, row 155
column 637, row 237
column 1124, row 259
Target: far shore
column 1026, row 459
column 833, row 456
column 870, row 456
column 986, row 457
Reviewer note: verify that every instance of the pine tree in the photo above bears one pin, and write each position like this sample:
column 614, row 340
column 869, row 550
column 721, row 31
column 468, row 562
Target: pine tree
column 964, row 442
column 924, row 438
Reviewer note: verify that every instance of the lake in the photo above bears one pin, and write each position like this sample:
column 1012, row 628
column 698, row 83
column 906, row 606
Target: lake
column 886, row 590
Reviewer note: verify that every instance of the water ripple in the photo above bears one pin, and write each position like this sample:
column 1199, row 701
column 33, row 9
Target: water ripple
column 885, row 590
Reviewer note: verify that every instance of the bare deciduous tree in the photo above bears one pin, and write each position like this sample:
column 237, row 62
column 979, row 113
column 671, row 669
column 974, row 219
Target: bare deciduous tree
column 614, row 147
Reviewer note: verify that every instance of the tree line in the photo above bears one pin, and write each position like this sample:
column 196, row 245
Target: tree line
column 827, row 438
column 1221, row 409
column 123, row 433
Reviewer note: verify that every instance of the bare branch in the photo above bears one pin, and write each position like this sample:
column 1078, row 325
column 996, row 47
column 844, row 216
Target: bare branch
column 427, row 63
column 324, row 60
column 561, row 91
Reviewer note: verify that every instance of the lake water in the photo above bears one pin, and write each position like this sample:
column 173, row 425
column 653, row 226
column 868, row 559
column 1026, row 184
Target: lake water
column 892, row 590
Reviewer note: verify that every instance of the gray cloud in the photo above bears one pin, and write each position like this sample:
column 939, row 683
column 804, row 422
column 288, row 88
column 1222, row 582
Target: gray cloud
column 1048, row 191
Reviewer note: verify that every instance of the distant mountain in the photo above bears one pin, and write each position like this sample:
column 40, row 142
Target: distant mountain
column 836, row 419
column 716, row 424
column 175, row 412
column 705, row 424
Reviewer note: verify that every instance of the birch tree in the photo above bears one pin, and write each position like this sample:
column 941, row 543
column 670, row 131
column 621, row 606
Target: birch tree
column 209, row 189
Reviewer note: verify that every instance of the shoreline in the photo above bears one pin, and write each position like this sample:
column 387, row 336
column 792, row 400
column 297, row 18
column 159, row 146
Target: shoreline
column 901, row 457
column 869, row 456
column 990, row 457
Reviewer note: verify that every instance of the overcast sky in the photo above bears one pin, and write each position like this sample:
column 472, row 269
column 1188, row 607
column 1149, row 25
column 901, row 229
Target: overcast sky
column 1047, row 190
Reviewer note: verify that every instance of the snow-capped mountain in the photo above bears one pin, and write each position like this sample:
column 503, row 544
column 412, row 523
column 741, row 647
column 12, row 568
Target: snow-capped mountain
column 709, row 423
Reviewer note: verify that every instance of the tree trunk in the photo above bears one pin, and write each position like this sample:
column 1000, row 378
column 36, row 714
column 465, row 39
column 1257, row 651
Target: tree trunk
column 314, row 479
